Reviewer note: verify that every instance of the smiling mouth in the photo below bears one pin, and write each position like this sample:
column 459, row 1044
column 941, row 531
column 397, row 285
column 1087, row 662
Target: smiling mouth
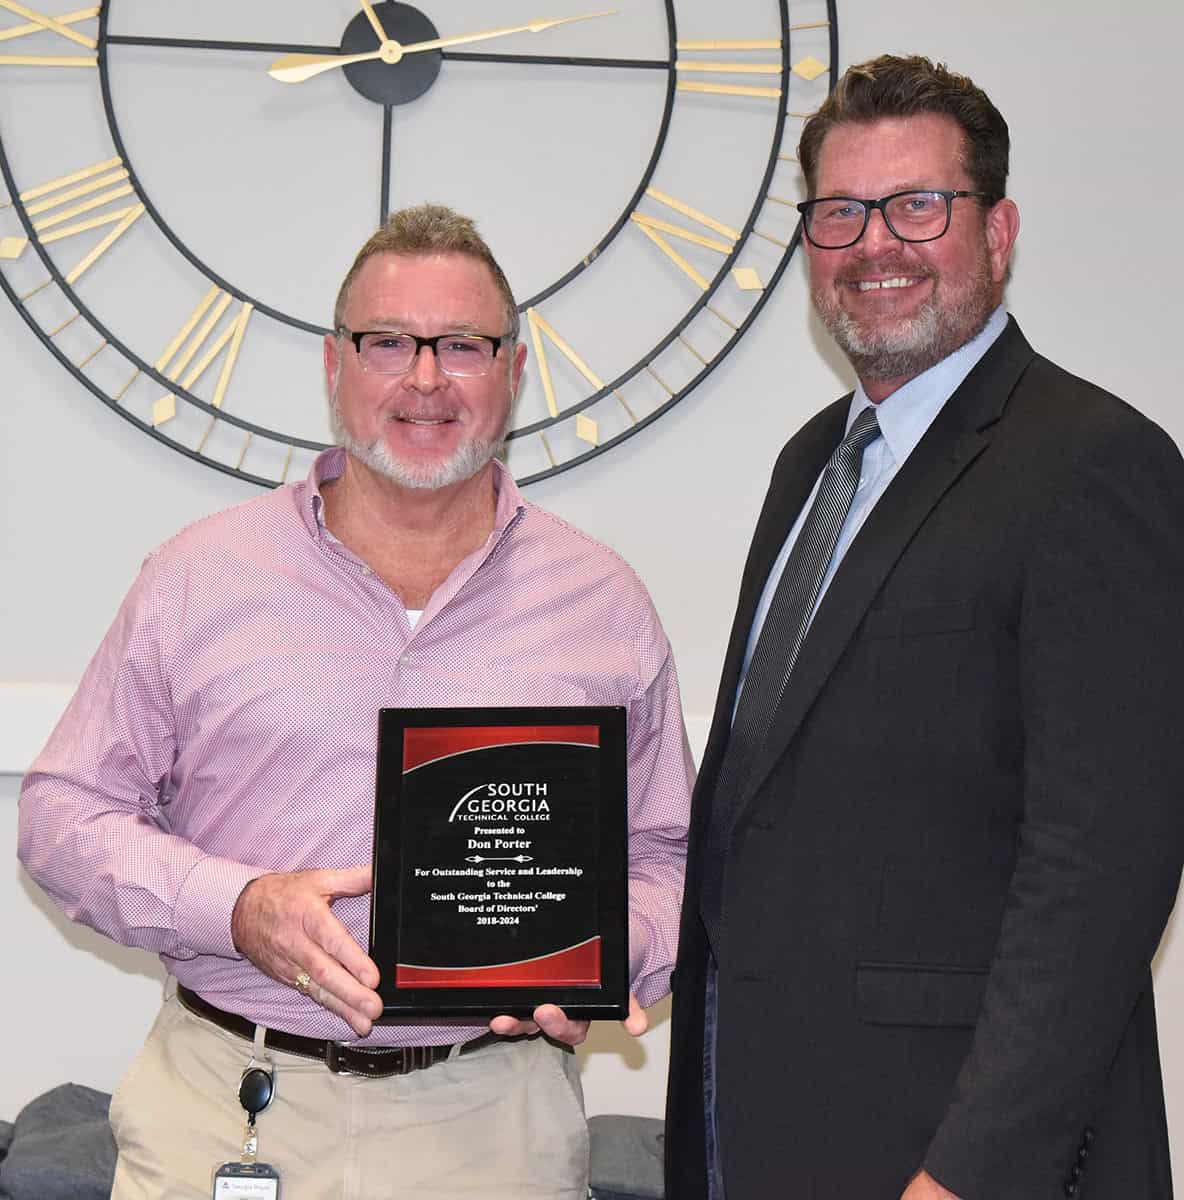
column 872, row 285
column 409, row 419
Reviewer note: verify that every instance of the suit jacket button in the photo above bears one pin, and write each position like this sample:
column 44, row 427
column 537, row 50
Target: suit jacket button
column 1075, row 1172
column 1071, row 1188
column 1087, row 1135
column 1082, row 1152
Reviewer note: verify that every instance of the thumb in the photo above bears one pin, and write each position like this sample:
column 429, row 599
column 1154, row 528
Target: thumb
column 637, row 1022
column 348, row 881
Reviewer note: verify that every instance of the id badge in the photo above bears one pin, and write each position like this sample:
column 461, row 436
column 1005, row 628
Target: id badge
column 246, row 1181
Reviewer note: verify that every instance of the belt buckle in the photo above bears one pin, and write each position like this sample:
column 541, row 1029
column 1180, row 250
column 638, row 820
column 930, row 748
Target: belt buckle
column 334, row 1059
column 395, row 1061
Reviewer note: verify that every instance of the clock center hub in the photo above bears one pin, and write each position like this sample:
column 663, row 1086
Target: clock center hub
column 395, row 76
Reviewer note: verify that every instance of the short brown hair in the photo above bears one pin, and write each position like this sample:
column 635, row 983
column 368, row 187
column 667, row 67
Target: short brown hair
column 894, row 86
column 428, row 229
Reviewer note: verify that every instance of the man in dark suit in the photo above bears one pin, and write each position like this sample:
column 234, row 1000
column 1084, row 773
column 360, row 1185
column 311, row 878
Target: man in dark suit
column 938, row 827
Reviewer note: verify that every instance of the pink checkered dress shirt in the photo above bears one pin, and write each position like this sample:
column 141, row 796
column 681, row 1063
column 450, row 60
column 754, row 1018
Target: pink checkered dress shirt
column 227, row 728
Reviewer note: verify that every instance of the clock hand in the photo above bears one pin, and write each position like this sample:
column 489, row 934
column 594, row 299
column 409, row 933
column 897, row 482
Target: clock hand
column 536, row 26
column 296, row 68
column 375, row 23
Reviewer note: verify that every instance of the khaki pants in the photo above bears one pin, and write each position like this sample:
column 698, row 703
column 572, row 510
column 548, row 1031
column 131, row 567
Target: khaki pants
column 503, row 1123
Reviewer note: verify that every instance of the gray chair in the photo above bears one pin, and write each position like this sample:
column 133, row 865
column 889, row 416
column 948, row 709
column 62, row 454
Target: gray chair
column 627, row 1154
column 61, row 1148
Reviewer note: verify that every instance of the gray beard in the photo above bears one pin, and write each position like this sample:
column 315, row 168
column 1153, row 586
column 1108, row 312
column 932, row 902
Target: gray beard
column 918, row 343
column 469, row 457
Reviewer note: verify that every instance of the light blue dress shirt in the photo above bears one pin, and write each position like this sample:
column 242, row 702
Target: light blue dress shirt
column 904, row 417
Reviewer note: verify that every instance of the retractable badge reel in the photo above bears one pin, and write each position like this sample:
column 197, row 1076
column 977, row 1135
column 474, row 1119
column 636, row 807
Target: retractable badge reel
column 250, row 1179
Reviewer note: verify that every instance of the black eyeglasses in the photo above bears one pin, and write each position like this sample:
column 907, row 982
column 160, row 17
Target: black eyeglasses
column 391, row 352
column 836, row 222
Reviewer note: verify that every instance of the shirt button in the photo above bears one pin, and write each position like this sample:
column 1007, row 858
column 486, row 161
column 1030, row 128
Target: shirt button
column 367, row 571
column 404, row 659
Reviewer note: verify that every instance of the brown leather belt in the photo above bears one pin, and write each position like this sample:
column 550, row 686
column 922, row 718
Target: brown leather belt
column 376, row 1063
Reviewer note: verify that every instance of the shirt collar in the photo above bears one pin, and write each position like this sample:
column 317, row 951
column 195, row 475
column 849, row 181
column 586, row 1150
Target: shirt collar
column 330, row 465
column 327, row 466
column 910, row 410
column 510, row 503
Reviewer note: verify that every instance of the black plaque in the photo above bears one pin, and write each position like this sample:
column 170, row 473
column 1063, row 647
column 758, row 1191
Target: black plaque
column 500, row 862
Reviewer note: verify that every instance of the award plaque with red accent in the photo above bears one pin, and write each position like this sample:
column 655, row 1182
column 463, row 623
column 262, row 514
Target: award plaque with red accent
column 501, row 862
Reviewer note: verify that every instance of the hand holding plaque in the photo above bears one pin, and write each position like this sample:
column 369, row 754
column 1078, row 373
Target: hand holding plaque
column 559, row 1027
column 500, row 862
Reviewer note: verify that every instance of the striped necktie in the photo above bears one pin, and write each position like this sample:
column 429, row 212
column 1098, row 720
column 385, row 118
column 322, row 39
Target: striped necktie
column 777, row 649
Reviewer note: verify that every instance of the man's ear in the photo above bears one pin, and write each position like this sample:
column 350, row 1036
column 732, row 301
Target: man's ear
column 516, row 366
column 332, row 360
column 1003, row 227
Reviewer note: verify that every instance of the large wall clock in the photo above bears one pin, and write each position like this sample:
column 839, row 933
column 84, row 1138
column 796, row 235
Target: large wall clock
column 187, row 183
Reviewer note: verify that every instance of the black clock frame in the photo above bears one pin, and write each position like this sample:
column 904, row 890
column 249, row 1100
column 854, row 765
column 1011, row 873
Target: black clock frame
column 106, row 39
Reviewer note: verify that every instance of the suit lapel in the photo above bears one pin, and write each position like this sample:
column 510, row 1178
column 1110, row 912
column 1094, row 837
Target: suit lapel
column 793, row 477
column 958, row 435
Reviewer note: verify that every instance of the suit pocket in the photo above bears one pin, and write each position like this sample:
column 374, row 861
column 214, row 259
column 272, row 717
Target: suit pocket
column 955, row 617
column 930, row 995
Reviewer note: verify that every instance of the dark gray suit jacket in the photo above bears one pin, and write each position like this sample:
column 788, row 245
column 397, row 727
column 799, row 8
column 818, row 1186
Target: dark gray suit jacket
column 955, row 858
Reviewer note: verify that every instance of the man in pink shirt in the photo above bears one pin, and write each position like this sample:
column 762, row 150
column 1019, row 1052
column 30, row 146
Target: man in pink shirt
column 208, row 794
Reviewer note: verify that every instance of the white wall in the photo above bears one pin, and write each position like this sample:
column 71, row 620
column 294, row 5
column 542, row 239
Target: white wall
column 1091, row 94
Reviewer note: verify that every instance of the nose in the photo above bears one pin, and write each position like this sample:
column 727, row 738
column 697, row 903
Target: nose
column 877, row 237
column 425, row 374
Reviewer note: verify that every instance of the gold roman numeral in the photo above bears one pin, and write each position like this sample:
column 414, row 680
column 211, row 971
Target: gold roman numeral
column 53, row 207
column 655, row 228
column 189, row 340
column 586, row 428
column 808, row 68
column 729, row 89
column 728, row 68
column 40, row 23
column 740, row 44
